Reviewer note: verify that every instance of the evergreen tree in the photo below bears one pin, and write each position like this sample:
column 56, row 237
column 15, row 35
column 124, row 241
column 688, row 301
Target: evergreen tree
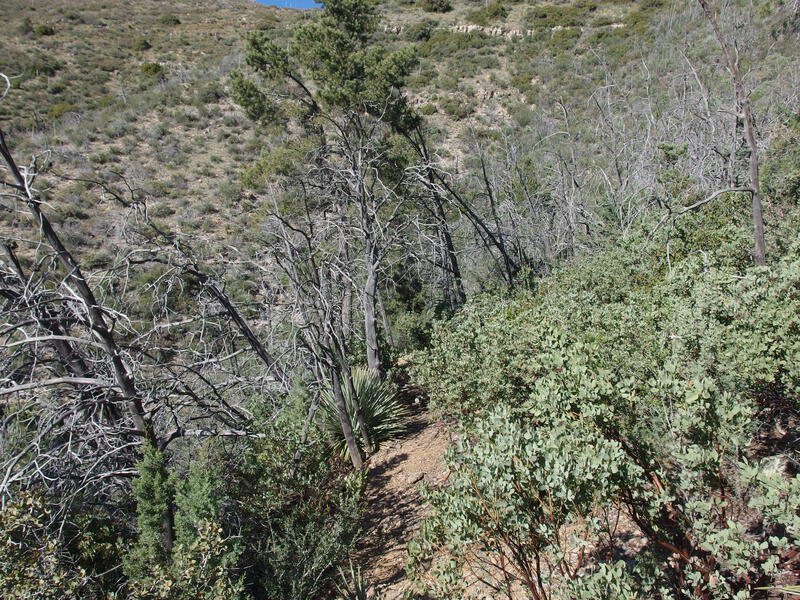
column 154, row 491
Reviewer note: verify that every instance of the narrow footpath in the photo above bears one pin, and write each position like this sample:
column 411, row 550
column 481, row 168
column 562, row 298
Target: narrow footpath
column 394, row 505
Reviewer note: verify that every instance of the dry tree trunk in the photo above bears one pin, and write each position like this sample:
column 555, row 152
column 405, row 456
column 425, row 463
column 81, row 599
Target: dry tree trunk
column 732, row 58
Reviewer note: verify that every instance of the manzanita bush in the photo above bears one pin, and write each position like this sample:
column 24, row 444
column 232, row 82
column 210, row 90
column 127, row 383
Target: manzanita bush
column 632, row 397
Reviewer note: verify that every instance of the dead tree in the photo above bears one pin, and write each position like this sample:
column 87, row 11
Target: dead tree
column 731, row 54
column 82, row 384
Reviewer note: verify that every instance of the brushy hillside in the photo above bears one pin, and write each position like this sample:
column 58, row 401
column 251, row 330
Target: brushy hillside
column 141, row 92
column 240, row 245
column 626, row 431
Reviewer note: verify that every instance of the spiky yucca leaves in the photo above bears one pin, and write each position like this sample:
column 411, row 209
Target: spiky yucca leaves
column 382, row 411
column 352, row 586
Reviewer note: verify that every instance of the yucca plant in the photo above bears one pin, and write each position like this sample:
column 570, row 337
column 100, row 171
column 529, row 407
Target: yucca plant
column 352, row 586
column 382, row 411
column 792, row 590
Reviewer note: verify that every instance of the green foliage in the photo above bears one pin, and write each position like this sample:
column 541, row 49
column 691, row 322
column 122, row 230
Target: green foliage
column 299, row 517
column 197, row 500
column 435, row 6
column 490, row 13
column 560, row 15
column 43, row 31
column 352, row 585
column 140, row 44
column 781, row 170
column 428, row 109
column 284, row 160
column 33, row 564
column 169, row 20
column 457, row 108
column 330, row 64
column 383, row 414
column 59, row 110
column 42, row 63
column 419, row 32
column 202, row 567
column 25, row 27
column 258, row 105
column 154, row 491
column 562, row 399
column 152, row 70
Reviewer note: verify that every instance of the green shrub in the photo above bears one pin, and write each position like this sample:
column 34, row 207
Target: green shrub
column 563, row 397
column 435, row 6
column 203, row 567
column 59, row 110
column 457, row 108
column 169, row 20
column 428, row 109
column 140, row 44
column 299, row 524
column 210, row 94
column 490, row 13
column 152, row 70
column 25, row 27
column 522, row 115
column 419, row 32
column 560, row 15
column 563, row 40
column 43, row 30
column 161, row 210
column 381, row 410
column 43, row 64
column 75, row 17
column 781, row 170
column 33, row 563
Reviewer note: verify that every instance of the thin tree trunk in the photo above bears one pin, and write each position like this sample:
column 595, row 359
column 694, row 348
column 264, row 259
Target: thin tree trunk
column 510, row 266
column 732, row 159
column 370, row 320
column 454, row 286
column 385, row 321
column 244, row 327
column 344, row 419
column 347, row 313
column 759, row 255
column 312, row 411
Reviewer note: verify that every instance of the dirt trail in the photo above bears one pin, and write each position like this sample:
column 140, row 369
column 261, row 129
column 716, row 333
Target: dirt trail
column 394, row 506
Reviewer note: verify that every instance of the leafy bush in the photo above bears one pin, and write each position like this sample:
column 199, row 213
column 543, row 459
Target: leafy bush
column 25, row 27
column 419, row 32
column 43, row 30
column 33, row 563
column 43, row 64
column 428, row 109
column 152, row 70
column 490, row 13
column 436, row 6
column 457, row 108
column 299, row 516
column 140, row 44
column 563, row 398
column 782, row 164
column 381, row 410
column 59, row 110
column 200, row 568
column 169, row 20
column 560, row 15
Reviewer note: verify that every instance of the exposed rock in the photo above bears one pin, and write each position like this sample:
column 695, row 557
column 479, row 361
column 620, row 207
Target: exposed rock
column 415, row 477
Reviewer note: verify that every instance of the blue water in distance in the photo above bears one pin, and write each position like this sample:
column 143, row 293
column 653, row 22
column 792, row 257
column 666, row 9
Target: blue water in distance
column 304, row 4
